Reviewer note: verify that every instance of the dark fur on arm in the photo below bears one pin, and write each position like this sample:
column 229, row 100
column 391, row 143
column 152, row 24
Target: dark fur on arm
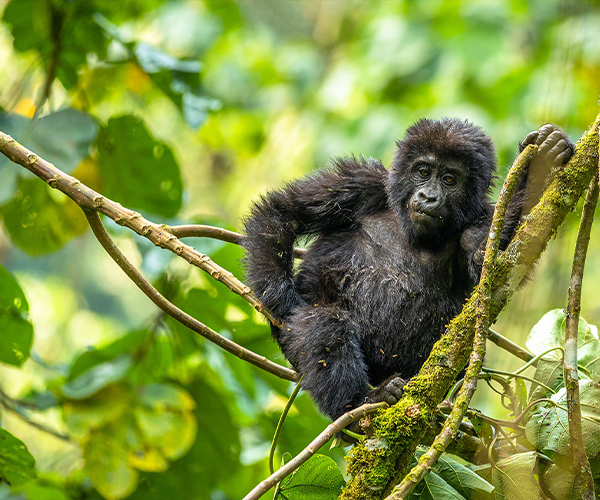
column 326, row 201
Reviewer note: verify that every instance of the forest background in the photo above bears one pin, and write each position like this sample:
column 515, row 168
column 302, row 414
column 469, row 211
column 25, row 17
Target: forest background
column 234, row 98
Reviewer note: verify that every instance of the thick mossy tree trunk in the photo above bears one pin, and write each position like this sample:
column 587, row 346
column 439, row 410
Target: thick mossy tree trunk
column 380, row 460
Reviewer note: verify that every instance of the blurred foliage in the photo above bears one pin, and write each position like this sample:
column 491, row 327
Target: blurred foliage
column 185, row 111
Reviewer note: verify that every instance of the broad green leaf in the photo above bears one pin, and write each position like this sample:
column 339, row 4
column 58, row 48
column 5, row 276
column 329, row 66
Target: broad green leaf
column 108, row 405
column 128, row 343
column 319, row 478
column 97, row 378
column 62, row 138
column 549, row 371
column 549, row 332
column 513, row 478
column 548, row 427
column 17, row 466
column 433, row 487
column 166, row 420
column 563, row 484
column 161, row 397
column 106, row 458
column 213, row 456
column 179, row 80
column 36, row 490
column 38, row 221
column 138, row 171
column 30, row 22
column 461, row 478
column 16, row 332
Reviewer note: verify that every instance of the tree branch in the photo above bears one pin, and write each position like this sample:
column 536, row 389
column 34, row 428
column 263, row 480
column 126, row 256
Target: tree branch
column 508, row 345
column 216, row 233
column 332, row 429
column 89, row 199
column 375, row 471
column 192, row 323
column 582, row 465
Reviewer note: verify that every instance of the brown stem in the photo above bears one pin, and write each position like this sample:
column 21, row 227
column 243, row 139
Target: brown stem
column 89, row 199
column 509, row 345
column 192, row 323
column 332, row 429
column 582, row 465
column 56, row 27
column 448, row 433
column 216, row 233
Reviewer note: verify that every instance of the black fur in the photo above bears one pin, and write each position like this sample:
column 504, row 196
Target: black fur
column 395, row 256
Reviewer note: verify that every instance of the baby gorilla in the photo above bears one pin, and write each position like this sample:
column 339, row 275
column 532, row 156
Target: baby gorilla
column 396, row 254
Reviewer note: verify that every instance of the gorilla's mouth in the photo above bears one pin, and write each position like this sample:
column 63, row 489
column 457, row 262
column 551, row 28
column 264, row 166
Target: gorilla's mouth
column 426, row 215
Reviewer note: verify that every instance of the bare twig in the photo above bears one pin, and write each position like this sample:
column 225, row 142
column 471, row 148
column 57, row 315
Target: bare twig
column 13, row 406
column 509, row 345
column 216, row 233
column 311, row 449
column 448, row 433
column 192, row 323
column 582, row 465
column 284, row 413
column 89, row 199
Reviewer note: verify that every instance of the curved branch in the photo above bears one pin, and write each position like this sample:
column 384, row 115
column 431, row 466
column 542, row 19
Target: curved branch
column 582, row 465
column 332, row 429
column 216, row 233
column 441, row 442
column 192, row 323
column 89, row 199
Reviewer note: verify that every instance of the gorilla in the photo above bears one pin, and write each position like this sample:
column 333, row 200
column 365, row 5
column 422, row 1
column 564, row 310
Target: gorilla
column 394, row 255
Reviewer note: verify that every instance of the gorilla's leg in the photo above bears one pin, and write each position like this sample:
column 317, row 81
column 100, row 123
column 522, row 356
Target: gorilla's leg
column 323, row 345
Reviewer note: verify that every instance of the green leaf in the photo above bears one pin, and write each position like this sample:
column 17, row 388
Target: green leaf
column 128, row 343
column 40, row 221
column 62, row 138
column 106, row 459
column 549, row 332
column 319, row 478
column 16, row 332
column 212, row 457
column 563, row 484
column 513, row 478
column 107, row 406
column 433, row 487
column 179, row 80
column 166, row 420
column 461, row 478
column 97, row 378
column 549, row 371
column 17, row 466
column 548, row 427
column 138, row 170
column 31, row 20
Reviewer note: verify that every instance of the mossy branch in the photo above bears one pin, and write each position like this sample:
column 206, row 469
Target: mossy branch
column 375, row 470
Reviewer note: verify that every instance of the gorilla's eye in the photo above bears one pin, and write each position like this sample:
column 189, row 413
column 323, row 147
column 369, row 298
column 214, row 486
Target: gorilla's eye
column 449, row 179
column 424, row 171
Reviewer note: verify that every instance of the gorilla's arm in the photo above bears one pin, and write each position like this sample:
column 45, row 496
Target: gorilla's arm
column 326, row 201
column 555, row 149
